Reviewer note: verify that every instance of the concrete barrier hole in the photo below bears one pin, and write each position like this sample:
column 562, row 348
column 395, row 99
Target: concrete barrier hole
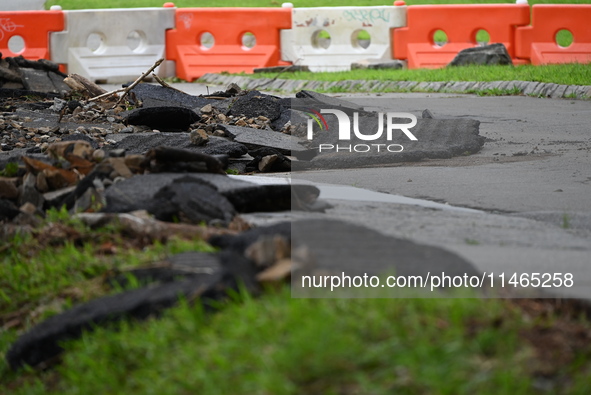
column 361, row 39
column 95, row 42
column 249, row 40
column 16, row 44
column 136, row 41
column 482, row 37
column 564, row 38
column 439, row 38
column 321, row 39
column 206, row 40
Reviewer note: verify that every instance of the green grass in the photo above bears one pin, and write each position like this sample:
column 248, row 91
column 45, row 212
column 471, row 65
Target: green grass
column 86, row 4
column 10, row 170
column 275, row 345
column 56, row 265
column 569, row 74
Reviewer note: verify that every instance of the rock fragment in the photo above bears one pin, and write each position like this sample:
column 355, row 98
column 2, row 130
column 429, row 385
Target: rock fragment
column 198, row 137
column 493, row 54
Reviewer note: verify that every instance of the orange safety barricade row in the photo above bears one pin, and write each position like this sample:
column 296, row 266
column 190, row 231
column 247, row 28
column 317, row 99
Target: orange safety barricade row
column 460, row 22
column 208, row 40
column 538, row 42
column 27, row 32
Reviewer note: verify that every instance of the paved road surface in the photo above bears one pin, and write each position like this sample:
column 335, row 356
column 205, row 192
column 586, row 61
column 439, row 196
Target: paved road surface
column 530, row 186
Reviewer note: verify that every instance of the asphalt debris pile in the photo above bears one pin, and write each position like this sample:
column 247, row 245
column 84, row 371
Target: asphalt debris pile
column 252, row 260
column 172, row 184
column 19, row 76
column 155, row 161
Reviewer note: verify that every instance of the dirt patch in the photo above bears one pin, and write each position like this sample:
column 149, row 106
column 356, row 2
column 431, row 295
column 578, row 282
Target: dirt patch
column 559, row 335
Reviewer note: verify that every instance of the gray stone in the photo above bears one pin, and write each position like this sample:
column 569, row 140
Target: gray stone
column 583, row 92
column 411, row 84
column 467, row 85
column 276, row 85
column 530, row 87
column 289, row 85
column 540, row 89
column 29, row 192
column 435, row 86
column 550, row 88
column 93, row 198
column 40, row 81
column 493, row 54
column 522, row 85
column 299, row 85
column 503, row 85
column 453, row 86
column 366, row 86
column 421, row 86
column 427, row 114
column 558, row 92
column 381, row 86
column 570, row 90
column 198, row 137
column 313, row 85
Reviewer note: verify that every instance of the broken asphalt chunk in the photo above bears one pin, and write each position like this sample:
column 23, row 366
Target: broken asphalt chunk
column 151, row 95
column 42, row 342
column 164, row 119
column 255, row 104
column 202, row 162
column 190, row 200
column 129, row 195
column 256, row 138
column 142, row 142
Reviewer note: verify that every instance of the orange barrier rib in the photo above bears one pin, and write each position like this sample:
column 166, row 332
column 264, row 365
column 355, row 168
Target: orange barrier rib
column 33, row 28
column 538, row 42
column 217, row 39
column 460, row 22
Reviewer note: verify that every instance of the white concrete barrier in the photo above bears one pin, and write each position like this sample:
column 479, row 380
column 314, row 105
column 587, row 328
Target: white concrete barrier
column 22, row 5
column 332, row 38
column 113, row 45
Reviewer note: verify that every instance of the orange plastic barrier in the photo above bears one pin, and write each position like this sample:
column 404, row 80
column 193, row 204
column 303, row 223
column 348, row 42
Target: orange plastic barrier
column 213, row 39
column 538, row 43
column 460, row 22
column 33, row 28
